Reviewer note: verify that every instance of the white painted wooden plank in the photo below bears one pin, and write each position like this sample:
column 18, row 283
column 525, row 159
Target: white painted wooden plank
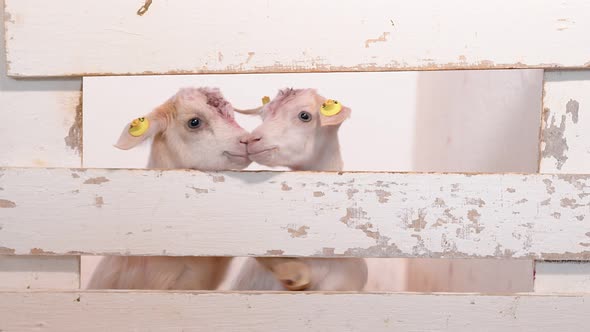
column 565, row 148
column 565, row 145
column 108, row 37
column 147, row 212
column 34, row 272
column 40, row 120
column 166, row 311
column 562, row 277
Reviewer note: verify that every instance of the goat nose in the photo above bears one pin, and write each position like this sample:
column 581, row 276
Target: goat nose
column 250, row 139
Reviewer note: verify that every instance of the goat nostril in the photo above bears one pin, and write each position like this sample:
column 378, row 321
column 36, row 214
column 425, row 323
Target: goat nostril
column 256, row 139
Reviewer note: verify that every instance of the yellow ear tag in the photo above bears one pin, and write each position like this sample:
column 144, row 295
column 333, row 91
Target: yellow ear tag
column 265, row 100
column 330, row 108
column 139, row 126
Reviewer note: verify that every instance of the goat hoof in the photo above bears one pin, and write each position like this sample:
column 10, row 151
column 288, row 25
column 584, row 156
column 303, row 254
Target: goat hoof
column 294, row 275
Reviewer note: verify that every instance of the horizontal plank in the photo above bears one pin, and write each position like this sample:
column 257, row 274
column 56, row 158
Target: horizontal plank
column 181, row 212
column 562, row 277
column 39, row 272
column 108, row 37
column 565, row 140
column 130, row 311
column 40, row 120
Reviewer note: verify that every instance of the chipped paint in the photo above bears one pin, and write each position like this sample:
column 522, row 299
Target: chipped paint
column 549, row 186
column 75, row 176
column 511, row 190
column 431, row 223
column 250, row 56
column 439, row 202
column 218, row 178
column 98, row 201
column 74, row 139
column 7, row 251
column 473, row 216
column 300, row 232
column 382, row 38
column 475, row 201
column 382, row 195
column 416, row 223
column 318, row 194
column 350, row 193
column 38, row 251
column 572, row 107
column 96, row 180
column 200, row 190
column 328, row 251
column 286, row 187
column 275, row 252
column 555, row 142
column 352, row 217
column 6, row 204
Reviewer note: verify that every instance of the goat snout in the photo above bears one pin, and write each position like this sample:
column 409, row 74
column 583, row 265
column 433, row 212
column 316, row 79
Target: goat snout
column 250, row 139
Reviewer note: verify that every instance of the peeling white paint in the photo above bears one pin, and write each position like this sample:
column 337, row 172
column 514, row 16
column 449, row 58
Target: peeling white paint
column 425, row 215
column 565, row 139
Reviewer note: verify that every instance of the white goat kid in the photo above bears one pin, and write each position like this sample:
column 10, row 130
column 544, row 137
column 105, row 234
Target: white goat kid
column 299, row 131
column 193, row 129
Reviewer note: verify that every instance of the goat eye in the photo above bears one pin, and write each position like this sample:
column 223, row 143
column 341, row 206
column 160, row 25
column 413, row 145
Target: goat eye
column 305, row 116
column 194, row 123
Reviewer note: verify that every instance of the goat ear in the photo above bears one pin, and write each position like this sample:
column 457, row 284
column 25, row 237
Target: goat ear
column 333, row 113
column 140, row 129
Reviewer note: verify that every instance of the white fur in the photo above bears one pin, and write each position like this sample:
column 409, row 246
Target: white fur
column 283, row 139
column 213, row 146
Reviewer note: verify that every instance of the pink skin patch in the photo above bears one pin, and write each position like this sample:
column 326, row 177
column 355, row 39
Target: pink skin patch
column 216, row 100
column 283, row 97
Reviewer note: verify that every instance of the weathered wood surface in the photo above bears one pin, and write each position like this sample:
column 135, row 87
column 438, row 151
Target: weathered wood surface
column 39, row 272
column 69, row 37
column 165, row 311
column 565, row 140
column 40, row 120
column 142, row 212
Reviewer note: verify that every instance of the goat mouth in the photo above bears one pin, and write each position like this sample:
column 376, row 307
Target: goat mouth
column 235, row 155
column 257, row 153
